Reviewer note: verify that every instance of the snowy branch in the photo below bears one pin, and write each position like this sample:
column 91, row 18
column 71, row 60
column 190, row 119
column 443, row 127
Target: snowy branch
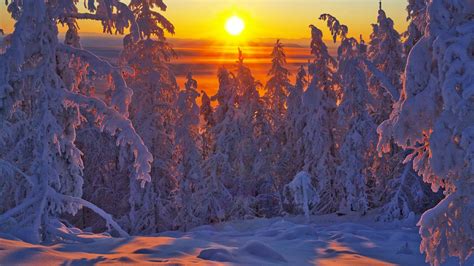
column 19, row 208
column 28, row 178
column 101, row 67
column 84, row 16
column 386, row 84
column 122, row 94
column 107, row 217
column 115, row 123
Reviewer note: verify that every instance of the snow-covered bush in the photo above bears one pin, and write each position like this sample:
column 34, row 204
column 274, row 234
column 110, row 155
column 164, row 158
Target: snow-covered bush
column 300, row 195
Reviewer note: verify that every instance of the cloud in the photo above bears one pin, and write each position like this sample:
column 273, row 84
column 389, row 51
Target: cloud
column 204, row 57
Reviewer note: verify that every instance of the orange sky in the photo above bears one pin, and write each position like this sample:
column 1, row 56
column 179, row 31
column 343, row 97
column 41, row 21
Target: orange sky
column 203, row 44
column 288, row 19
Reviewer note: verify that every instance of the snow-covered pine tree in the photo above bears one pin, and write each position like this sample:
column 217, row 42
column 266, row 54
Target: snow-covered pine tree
column 153, row 113
column 416, row 10
column 434, row 120
column 39, row 114
column 214, row 197
column 386, row 53
column 265, row 197
column 292, row 155
column 393, row 185
column 207, row 113
column 188, row 154
column 252, row 154
column 319, row 106
column 276, row 91
column 275, row 98
column 356, row 127
column 386, row 180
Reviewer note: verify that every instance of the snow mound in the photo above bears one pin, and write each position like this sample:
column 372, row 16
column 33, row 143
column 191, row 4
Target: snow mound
column 262, row 251
column 217, row 254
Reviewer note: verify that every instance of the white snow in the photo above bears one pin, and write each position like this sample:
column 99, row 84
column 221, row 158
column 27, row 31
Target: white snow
column 237, row 165
column 325, row 240
column 302, row 192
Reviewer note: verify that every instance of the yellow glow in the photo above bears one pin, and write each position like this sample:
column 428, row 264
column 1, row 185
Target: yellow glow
column 234, row 25
column 283, row 19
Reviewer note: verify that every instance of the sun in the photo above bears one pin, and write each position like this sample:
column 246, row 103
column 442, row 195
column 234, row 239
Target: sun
column 234, row 25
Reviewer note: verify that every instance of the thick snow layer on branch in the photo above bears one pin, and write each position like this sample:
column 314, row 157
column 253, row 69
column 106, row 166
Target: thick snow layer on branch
column 302, row 193
column 41, row 106
column 385, row 82
column 113, row 123
column 434, row 119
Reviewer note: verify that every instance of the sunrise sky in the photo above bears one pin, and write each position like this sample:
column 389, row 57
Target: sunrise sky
column 205, row 19
column 203, row 44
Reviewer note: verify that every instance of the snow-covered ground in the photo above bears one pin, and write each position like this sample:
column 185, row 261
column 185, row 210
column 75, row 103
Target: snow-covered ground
column 326, row 240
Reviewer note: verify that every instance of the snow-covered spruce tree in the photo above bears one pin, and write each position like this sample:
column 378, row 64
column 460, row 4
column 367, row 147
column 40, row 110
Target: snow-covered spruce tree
column 356, row 127
column 416, row 10
column 263, row 117
column 434, row 120
column 215, row 200
column 153, row 113
column 386, row 53
column 253, row 151
column 276, row 93
column 393, row 184
column 39, row 114
column 292, row 154
column 207, row 113
column 266, row 200
column 319, row 103
column 386, row 179
column 188, row 155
